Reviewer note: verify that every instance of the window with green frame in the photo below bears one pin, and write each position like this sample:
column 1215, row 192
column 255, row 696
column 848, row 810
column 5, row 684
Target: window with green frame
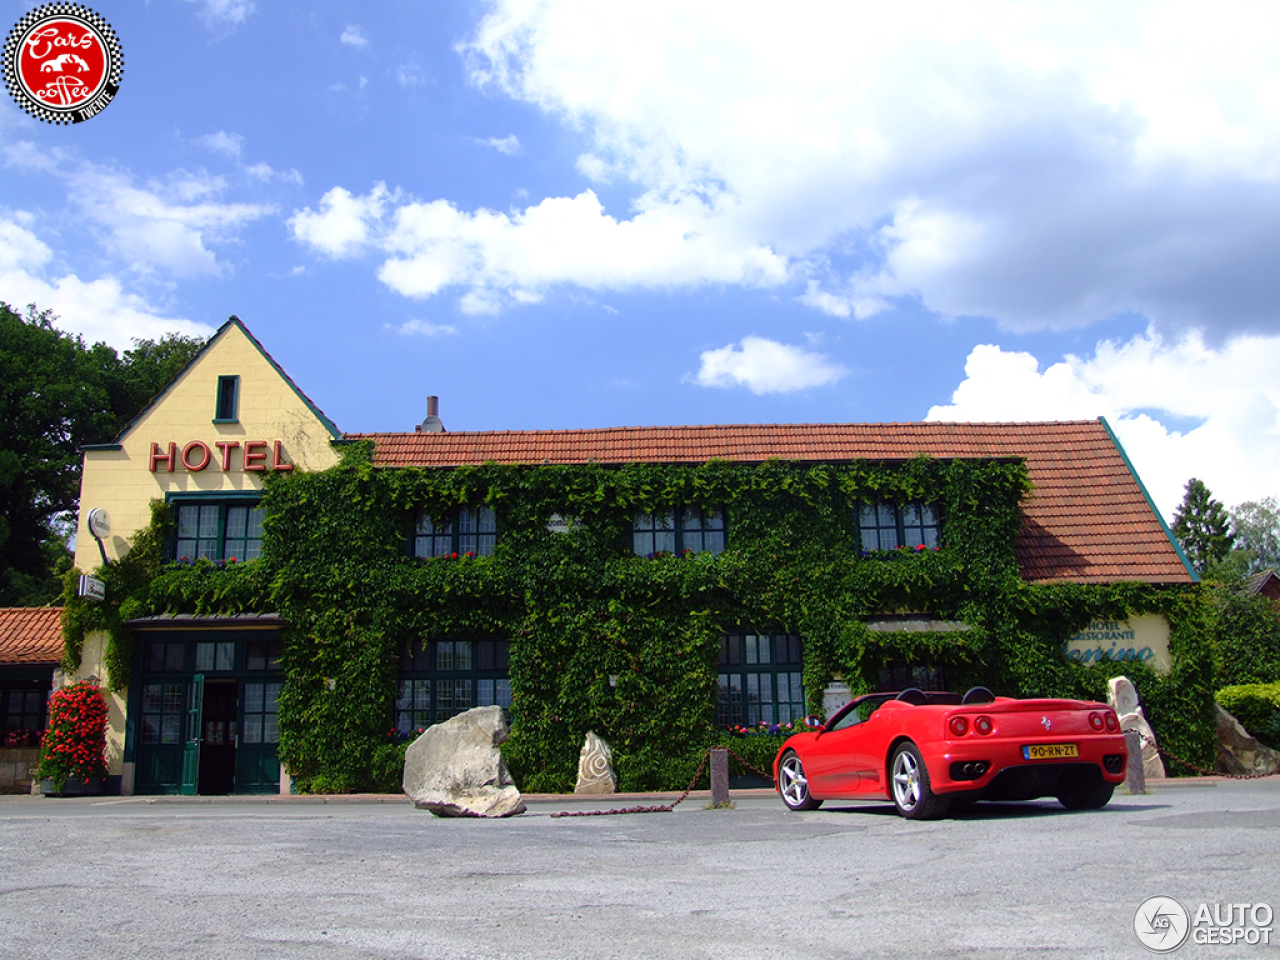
column 163, row 712
column 886, row 526
column 445, row 677
column 217, row 530
column 679, row 530
column 227, row 405
column 761, row 679
column 466, row 531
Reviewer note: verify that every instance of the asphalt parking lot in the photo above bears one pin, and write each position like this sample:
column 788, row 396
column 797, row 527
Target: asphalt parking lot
column 299, row 878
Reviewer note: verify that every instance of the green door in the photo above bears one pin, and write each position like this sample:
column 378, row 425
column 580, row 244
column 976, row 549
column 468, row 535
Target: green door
column 257, row 768
column 191, row 754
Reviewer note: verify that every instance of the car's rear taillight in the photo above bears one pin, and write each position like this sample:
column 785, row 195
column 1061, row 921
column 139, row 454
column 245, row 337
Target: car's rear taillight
column 1096, row 721
column 982, row 725
column 1112, row 723
column 959, row 726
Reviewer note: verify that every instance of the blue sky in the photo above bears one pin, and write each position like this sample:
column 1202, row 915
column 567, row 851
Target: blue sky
column 574, row 214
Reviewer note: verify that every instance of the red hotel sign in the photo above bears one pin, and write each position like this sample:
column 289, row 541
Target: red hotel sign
column 196, row 455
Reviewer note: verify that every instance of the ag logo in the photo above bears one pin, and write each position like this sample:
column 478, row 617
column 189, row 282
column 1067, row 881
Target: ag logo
column 62, row 63
column 1162, row 924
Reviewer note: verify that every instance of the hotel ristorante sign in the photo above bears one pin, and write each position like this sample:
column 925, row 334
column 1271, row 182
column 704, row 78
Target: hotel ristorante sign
column 251, row 456
column 1144, row 639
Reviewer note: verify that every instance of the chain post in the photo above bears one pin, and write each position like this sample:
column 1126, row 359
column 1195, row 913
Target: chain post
column 1135, row 778
column 719, row 777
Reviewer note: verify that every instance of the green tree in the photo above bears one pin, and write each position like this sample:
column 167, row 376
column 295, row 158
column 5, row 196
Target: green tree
column 1202, row 526
column 1255, row 525
column 56, row 395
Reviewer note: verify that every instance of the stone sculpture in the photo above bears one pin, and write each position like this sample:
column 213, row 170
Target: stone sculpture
column 454, row 769
column 1123, row 697
column 595, row 767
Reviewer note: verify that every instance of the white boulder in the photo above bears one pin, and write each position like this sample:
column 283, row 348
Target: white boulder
column 455, row 769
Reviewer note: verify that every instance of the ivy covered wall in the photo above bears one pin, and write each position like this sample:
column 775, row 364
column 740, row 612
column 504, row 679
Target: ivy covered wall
column 580, row 607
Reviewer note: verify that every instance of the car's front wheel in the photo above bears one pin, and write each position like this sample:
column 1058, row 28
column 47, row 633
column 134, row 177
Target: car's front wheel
column 794, row 785
column 909, row 784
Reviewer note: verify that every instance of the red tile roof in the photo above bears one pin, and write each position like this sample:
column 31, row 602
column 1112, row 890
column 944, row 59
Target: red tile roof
column 30, row 635
column 1087, row 520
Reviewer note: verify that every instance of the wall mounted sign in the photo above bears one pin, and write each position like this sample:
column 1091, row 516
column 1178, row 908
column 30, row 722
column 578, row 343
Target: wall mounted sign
column 1144, row 639
column 252, row 456
column 559, row 524
column 92, row 589
column 99, row 524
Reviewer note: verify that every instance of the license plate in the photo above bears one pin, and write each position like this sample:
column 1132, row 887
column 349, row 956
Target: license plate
column 1050, row 751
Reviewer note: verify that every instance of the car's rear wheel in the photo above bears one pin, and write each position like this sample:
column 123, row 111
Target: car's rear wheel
column 909, row 784
column 793, row 784
column 1093, row 796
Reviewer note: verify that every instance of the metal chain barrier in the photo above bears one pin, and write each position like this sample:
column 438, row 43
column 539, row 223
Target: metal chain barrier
column 1209, row 773
column 656, row 808
column 665, row 807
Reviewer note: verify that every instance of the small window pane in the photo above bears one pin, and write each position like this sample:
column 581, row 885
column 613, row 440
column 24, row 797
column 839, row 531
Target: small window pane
column 253, row 728
column 208, row 522
column 170, row 728
column 173, row 698
column 237, row 521
column 224, row 658
column 253, row 693
column 204, row 657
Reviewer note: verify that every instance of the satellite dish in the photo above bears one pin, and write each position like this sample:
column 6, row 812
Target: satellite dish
column 432, row 424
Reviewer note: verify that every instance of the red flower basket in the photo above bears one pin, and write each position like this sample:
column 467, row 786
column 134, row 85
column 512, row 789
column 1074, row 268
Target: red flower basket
column 74, row 746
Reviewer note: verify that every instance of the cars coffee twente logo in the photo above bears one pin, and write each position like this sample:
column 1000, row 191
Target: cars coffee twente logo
column 62, row 63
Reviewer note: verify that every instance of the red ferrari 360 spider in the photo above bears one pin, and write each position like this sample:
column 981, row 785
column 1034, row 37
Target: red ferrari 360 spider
column 928, row 750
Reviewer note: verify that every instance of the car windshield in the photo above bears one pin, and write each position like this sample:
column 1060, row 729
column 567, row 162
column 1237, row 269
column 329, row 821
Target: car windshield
column 857, row 711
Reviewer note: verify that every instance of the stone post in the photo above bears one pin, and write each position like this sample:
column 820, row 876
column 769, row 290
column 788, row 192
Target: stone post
column 719, row 777
column 1135, row 779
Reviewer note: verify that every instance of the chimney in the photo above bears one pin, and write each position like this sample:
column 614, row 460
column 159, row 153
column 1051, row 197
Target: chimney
column 432, row 424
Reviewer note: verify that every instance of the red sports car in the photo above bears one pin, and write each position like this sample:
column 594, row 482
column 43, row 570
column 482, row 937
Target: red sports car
column 928, row 750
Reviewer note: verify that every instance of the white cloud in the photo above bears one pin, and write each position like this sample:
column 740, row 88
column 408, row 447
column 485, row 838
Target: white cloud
column 765, row 366
column 221, row 13
column 165, row 225
column 353, row 36
column 407, row 75
column 1224, row 404
column 505, row 258
column 99, row 310
column 344, row 224
column 510, row 145
column 230, row 144
column 1045, row 165
column 264, row 172
column 423, row 328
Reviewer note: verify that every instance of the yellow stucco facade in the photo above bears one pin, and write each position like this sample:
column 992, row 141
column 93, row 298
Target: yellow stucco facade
column 179, row 446
column 271, row 414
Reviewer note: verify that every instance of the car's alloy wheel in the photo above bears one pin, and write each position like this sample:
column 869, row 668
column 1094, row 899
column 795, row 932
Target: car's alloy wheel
column 909, row 781
column 793, row 784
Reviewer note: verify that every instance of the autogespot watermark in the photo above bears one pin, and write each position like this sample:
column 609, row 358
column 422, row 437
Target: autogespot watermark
column 1163, row 924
